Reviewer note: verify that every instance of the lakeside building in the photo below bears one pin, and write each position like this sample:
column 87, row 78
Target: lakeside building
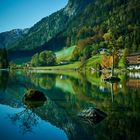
column 133, row 61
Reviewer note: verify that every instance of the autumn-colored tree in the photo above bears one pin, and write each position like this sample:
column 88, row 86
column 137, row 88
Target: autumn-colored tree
column 82, row 49
column 106, row 61
column 85, row 32
column 113, row 45
column 84, row 42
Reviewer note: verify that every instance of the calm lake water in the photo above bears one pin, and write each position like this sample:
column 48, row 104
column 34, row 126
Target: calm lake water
column 67, row 95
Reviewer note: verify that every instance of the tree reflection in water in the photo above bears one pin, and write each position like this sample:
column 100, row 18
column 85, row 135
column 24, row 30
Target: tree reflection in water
column 45, row 81
column 64, row 103
column 27, row 119
column 4, row 76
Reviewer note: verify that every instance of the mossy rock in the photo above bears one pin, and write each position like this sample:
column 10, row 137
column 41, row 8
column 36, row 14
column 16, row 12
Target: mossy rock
column 34, row 95
column 34, row 104
column 92, row 115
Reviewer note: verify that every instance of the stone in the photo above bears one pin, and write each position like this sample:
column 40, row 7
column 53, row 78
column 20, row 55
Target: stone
column 93, row 114
column 34, row 95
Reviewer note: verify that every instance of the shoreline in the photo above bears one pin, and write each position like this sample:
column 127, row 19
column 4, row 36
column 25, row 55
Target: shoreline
column 7, row 69
column 58, row 68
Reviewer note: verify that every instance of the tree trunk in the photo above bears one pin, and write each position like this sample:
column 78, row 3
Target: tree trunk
column 112, row 69
column 112, row 93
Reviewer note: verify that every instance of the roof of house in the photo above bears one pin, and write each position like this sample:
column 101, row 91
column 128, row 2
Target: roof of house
column 133, row 54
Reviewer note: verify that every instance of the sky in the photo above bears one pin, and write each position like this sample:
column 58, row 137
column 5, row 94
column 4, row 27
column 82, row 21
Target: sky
column 20, row 14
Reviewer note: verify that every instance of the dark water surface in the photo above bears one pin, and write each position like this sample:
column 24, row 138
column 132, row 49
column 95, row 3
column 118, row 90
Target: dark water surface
column 68, row 94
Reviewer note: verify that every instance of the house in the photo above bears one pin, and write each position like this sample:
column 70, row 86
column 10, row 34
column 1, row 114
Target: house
column 102, row 50
column 64, row 62
column 133, row 61
column 135, row 83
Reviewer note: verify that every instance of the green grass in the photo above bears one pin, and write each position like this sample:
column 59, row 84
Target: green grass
column 71, row 66
column 65, row 54
column 65, row 85
column 91, row 62
column 121, row 64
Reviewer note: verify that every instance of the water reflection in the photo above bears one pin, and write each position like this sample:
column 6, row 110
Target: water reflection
column 4, row 76
column 67, row 96
column 45, row 81
column 26, row 120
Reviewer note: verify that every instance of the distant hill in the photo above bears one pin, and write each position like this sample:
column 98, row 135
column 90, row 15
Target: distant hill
column 9, row 37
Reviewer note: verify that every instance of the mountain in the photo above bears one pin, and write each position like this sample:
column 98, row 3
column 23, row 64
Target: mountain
column 46, row 29
column 49, row 27
column 82, row 19
column 7, row 38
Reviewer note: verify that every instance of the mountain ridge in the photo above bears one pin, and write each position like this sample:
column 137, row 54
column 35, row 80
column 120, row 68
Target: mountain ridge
column 47, row 28
column 11, row 36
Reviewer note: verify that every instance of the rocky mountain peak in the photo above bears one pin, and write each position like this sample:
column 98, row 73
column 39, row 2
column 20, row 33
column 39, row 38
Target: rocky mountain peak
column 75, row 6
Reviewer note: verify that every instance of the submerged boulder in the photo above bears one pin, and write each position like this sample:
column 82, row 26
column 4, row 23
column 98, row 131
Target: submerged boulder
column 93, row 115
column 34, row 95
column 34, row 104
column 34, row 98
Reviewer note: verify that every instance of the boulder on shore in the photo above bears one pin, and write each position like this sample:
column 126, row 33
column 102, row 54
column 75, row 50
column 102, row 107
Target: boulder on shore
column 93, row 114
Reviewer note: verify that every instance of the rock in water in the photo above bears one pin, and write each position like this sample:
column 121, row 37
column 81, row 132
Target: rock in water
column 34, row 95
column 93, row 114
column 33, row 104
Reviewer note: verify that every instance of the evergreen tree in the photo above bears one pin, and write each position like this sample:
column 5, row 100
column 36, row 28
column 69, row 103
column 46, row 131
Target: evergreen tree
column 4, row 63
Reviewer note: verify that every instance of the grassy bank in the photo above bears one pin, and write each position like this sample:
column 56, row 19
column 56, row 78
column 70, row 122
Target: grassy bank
column 72, row 66
column 93, row 61
column 65, row 54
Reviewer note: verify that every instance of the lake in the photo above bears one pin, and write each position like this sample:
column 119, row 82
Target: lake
column 68, row 94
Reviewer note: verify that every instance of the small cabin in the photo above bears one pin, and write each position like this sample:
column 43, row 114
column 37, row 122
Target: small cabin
column 64, row 62
column 133, row 60
column 102, row 50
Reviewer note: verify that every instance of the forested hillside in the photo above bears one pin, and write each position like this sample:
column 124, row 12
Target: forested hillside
column 120, row 17
column 84, row 23
column 49, row 27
